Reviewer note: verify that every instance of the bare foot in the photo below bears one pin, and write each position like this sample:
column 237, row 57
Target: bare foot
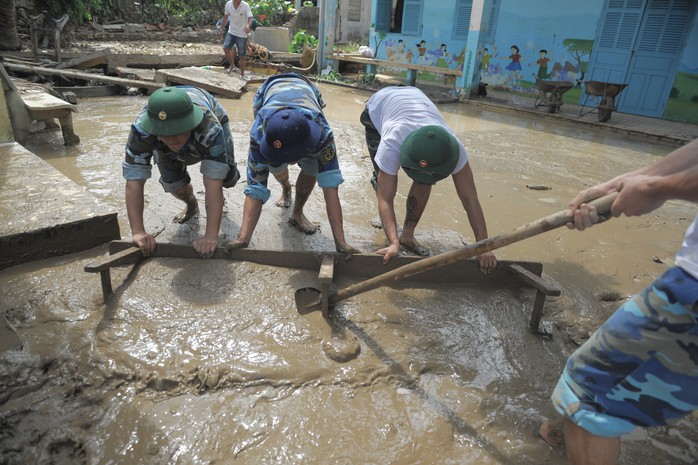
column 235, row 244
column 414, row 247
column 285, row 200
column 304, row 225
column 186, row 214
column 552, row 432
column 346, row 248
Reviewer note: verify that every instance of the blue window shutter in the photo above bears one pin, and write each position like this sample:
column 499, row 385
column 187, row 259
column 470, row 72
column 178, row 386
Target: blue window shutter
column 620, row 25
column 412, row 17
column 492, row 20
column 664, row 26
column 383, row 15
column 461, row 19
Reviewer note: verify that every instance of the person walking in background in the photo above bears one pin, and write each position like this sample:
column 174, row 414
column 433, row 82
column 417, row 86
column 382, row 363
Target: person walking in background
column 290, row 127
column 404, row 129
column 239, row 16
column 180, row 126
column 640, row 368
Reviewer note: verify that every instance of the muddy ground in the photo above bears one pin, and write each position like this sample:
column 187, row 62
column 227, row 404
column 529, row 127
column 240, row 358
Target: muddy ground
column 196, row 361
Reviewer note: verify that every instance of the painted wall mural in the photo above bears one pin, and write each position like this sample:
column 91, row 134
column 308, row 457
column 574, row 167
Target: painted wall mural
column 532, row 39
column 539, row 39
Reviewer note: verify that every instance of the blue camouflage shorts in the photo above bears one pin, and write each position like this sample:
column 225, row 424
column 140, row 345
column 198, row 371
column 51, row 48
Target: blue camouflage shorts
column 640, row 368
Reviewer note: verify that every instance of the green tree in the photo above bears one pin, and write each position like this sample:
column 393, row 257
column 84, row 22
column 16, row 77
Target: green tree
column 579, row 48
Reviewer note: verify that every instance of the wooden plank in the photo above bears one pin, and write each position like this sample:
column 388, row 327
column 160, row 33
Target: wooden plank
column 139, row 60
column 90, row 91
column 72, row 74
column 361, row 266
column 222, row 84
column 124, row 257
column 139, row 74
column 87, row 61
column 41, row 101
column 533, row 280
column 326, row 269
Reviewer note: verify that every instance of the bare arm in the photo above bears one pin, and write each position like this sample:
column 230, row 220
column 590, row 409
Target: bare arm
column 134, row 208
column 250, row 216
column 334, row 215
column 206, row 245
column 467, row 193
column 387, row 188
column 643, row 190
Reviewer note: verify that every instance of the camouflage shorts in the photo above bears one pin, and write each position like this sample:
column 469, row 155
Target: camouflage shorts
column 640, row 368
column 373, row 139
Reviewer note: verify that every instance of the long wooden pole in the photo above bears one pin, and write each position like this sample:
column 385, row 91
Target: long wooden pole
column 603, row 207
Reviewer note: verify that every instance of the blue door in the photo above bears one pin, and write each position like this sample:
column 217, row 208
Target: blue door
column 640, row 43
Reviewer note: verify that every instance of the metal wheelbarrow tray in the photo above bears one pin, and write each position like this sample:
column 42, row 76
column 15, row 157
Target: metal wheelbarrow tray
column 550, row 93
column 604, row 95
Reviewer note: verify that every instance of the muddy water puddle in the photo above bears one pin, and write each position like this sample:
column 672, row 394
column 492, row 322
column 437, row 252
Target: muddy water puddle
column 195, row 361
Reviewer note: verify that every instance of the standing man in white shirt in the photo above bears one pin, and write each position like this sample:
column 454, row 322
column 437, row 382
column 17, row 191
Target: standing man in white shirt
column 240, row 16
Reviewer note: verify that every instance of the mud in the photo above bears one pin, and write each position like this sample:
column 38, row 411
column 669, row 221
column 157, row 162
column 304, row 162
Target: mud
column 195, row 361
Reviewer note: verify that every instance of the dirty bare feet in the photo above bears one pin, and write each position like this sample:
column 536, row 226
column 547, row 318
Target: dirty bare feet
column 414, row 247
column 235, row 244
column 552, row 432
column 346, row 249
column 286, row 198
column 303, row 225
column 184, row 216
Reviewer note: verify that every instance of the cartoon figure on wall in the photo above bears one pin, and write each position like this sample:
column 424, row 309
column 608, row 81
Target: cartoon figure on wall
column 542, row 65
column 422, row 53
column 514, row 67
column 489, row 67
column 443, row 57
column 486, row 56
column 400, row 54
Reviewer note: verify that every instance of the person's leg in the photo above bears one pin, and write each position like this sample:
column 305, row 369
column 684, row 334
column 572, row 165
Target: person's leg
column 286, row 197
column 227, row 44
column 638, row 369
column 242, row 53
column 186, row 195
column 175, row 179
column 304, row 186
column 416, row 203
column 373, row 139
column 233, row 54
column 584, row 448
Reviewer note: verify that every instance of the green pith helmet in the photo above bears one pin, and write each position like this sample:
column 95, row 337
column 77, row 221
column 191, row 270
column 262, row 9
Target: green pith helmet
column 170, row 112
column 429, row 154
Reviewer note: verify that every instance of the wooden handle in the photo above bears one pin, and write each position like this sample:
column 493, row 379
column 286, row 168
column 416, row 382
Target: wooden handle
column 603, row 207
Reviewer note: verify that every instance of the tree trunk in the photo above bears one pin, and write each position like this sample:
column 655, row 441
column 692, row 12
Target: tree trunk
column 9, row 39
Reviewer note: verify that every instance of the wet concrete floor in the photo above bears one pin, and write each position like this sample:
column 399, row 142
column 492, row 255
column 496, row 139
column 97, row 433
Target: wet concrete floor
column 195, row 361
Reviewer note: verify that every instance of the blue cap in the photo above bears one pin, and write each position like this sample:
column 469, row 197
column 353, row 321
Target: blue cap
column 288, row 135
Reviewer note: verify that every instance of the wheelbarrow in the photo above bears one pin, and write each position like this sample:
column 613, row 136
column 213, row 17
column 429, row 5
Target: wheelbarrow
column 550, row 93
column 604, row 96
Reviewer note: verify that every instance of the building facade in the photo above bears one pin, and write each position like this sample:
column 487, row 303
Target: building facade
column 650, row 45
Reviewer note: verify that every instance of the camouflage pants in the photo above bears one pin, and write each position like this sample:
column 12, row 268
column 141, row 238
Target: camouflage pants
column 640, row 368
column 373, row 139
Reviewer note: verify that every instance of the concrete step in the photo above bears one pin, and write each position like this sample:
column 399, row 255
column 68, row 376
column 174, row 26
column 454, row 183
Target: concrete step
column 44, row 214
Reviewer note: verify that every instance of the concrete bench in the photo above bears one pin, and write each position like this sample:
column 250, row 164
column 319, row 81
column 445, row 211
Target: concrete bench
column 373, row 63
column 45, row 107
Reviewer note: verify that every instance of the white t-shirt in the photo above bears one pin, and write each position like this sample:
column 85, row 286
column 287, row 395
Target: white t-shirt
column 238, row 18
column 687, row 256
column 398, row 111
